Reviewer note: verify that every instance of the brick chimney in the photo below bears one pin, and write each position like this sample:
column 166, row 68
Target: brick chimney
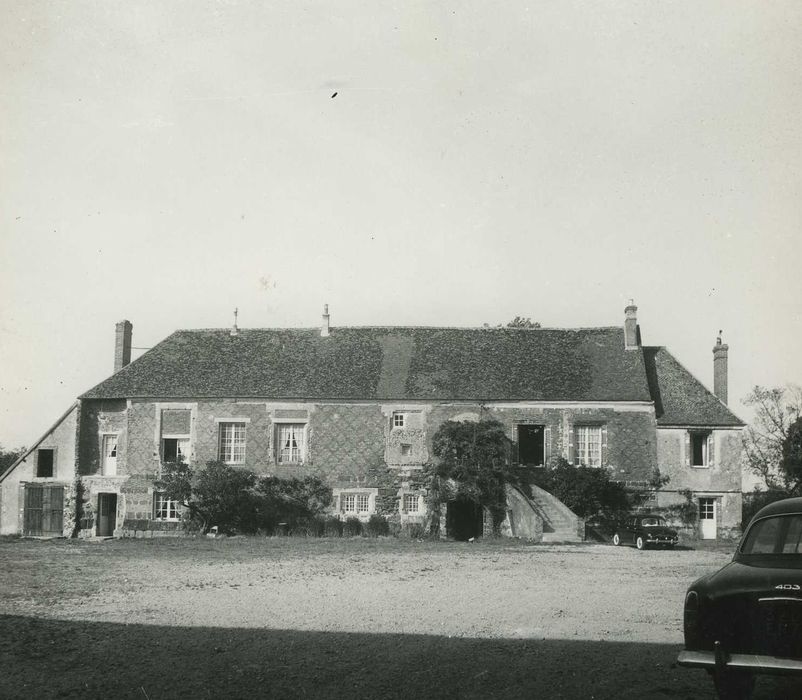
column 324, row 329
column 631, row 329
column 122, row 345
column 720, row 351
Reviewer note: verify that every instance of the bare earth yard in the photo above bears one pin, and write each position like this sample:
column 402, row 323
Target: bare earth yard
column 358, row 618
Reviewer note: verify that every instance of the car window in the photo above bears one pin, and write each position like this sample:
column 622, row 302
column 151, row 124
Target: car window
column 778, row 535
column 651, row 522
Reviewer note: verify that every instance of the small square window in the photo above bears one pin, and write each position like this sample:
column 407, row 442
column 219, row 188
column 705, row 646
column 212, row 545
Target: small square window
column 406, row 450
column 164, row 508
column 399, row 420
column 44, row 463
column 411, row 503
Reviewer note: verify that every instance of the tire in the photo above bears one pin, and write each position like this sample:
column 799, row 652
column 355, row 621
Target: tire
column 639, row 543
column 616, row 539
column 732, row 685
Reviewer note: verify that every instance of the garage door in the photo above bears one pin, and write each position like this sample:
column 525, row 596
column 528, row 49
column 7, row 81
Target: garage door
column 44, row 511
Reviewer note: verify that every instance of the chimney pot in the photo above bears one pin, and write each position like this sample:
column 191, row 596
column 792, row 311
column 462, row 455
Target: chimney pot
column 122, row 345
column 324, row 329
column 720, row 379
column 631, row 328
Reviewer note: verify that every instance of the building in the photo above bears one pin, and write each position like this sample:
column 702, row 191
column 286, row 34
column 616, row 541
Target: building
column 358, row 407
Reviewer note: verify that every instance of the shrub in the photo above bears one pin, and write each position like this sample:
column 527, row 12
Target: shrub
column 415, row 531
column 352, row 527
column 332, row 527
column 377, row 526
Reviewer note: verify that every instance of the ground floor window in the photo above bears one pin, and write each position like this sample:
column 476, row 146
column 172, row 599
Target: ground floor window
column 531, row 445
column 355, row 503
column 588, row 445
column 164, row 508
column 410, row 503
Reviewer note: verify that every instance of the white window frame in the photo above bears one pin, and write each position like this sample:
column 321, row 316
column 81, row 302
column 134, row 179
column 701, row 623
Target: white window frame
column 181, row 439
column 286, row 431
column 356, row 503
column 231, row 443
column 108, row 462
column 410, row 503
column 399, row 419
column 167, row 505
column 583, row 452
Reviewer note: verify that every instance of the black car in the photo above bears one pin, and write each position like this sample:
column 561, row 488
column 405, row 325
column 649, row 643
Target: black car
column 645, row 531
column 746, row 618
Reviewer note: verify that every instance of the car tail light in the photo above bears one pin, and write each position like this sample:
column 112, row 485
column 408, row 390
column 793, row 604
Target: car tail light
column 691, row 619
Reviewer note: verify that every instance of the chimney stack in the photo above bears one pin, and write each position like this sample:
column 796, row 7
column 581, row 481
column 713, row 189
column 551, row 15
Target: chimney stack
column 720, row 351
column 122, row 345
column 324, row 329
column 631, row 329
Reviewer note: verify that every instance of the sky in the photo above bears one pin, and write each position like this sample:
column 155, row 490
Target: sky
column 419, row 163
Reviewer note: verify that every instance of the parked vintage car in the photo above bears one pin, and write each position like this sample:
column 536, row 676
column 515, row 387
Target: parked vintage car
column 746, row 618
column 645, row 530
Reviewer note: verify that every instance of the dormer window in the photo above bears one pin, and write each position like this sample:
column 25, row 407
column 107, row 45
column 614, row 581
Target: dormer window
column 399, row 419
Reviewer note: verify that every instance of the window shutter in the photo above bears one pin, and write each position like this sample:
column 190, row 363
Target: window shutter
column 546, row 446
column 688, row 449
column 711, row 452
column 604, row 446
column 571, row 444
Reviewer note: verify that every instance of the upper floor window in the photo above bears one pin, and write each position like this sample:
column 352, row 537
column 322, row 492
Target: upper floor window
column 232, row 443
column 45, row 458
column 175, row 449
column 700, row 448
column 588, row 445
column 531, row 445
column 399, row 419
column 291, row 442
column 109, row 455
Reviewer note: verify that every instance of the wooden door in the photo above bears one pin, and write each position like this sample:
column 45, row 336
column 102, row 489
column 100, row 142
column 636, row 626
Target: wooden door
column 707, row 518
column 106, row 514
column 43, row 512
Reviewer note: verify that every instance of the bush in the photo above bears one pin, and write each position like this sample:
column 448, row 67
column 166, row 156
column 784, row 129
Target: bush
column 415, row 531
column 585, row 490
column 377, row 526
column 352, row 527
column 332, row 527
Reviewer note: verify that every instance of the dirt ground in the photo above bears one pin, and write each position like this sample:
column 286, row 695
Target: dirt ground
column 352, row 618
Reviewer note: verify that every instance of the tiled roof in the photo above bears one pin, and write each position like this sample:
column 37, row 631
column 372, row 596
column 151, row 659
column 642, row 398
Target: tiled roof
column 680, row 398
column 387, row 363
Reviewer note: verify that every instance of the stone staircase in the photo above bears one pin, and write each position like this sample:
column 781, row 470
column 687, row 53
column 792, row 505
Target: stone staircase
column 560, row 524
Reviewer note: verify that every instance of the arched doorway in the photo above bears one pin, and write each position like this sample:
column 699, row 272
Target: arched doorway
column 464, row 520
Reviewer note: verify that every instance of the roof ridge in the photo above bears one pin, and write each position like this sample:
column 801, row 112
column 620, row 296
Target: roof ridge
column 434, row 328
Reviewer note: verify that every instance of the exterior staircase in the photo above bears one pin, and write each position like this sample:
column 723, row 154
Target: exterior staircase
column 560, row 524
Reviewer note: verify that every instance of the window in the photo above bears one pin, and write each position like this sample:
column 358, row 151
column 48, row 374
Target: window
column 109, row 455
column 291, row 442
column 707, row 509
column 700, row 452
column 399, row 420
column 410, row 503
column 44, row 463
column 232, row 443
column 588, row 442
column 175, row 449
column 355, row 503
column 406, row 449
column 531, row 445
column 164, row 508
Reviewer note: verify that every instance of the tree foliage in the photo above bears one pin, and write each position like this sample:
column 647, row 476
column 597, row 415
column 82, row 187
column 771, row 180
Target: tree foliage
column 237, row 500
column 587, row 491
column 773, row 441
column 473, row 463
column 8, row 457
column 523, row 322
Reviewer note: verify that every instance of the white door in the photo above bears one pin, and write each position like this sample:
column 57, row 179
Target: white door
column 109, row 455
column 707, row 518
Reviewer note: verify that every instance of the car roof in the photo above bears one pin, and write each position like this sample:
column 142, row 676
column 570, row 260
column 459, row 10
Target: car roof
column 783, row 507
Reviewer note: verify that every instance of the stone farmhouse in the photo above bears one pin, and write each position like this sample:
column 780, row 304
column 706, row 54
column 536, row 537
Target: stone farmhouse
column 358, row 407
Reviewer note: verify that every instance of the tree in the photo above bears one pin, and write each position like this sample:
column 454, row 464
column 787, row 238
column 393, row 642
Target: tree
column 473, row 463
column 772, row 441
column 521, row 322
column 8, row 457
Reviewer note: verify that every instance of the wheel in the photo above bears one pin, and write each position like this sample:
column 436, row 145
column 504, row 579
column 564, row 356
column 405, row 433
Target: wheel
column 639, row 543
column 616, row 539
column 734, row 685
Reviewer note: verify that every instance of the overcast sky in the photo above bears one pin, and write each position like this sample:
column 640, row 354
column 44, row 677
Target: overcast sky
column 166, row 162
